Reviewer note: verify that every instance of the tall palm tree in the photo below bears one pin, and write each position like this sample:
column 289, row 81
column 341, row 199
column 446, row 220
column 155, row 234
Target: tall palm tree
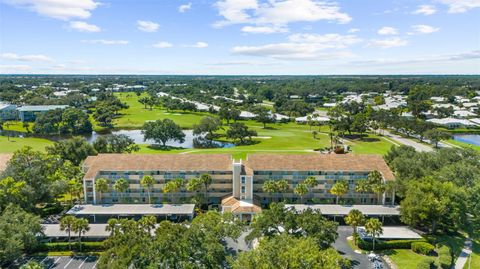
column 311, row 183
column 101, row 185
column 66, row 224
column 282, row 186
column 363, row 186
column 194, row 185
column 112, row 226
column 147, row 223
column 377, row 185
column 300, row 190
column 172, row 187
column 373, row 227
column 147, row 182
column 80, row 226
column 206, row 180
column 339, row 189
column 269, row 186
column 355, row 218
column 121, row 186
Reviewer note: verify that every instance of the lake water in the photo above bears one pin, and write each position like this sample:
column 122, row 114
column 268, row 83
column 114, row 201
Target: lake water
column 473, row 139
column 137, row 136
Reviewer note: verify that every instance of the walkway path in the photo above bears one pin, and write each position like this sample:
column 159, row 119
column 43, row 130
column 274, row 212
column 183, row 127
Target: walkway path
column 408, row 142
column 462, row 259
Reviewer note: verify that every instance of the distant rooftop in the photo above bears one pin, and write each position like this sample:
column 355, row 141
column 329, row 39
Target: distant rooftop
column 341, row 210
column 41, row 108
column 133, row 209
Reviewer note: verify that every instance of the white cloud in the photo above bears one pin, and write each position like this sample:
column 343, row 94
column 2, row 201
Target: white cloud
column 199, row 45
column 58, row 9
column 303, row 47
column 353, row 30
column 465, row 56
column 387, row 31
column 25, row 58
column 460, row 6
column 388, row 42
column 106, row 42
column 9, row 69
column 425, row 10
column 276, row 13
column 183, row 8
column 147, row 26
column 424, row 29
column 162, row 45
column 82, row 26
column 263, row 29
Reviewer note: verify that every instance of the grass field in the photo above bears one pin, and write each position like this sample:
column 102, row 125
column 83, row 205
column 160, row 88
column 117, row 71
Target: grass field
column 16, row 143
column 475, row 263
column 405, row 258
column 463, row 145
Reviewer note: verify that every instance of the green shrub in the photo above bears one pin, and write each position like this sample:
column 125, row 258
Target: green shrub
column 425, row 264
column 63, row 246
column 392, row 244
column 422, row 248
column 444, row 259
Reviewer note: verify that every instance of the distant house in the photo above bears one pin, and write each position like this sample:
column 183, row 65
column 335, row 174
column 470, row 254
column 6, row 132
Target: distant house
column 438, row 99
column 463, row 113
column 8, row 112
column 453, row 123
column 29, row 113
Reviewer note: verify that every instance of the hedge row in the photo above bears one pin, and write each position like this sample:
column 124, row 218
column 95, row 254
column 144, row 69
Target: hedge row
column 392, row 244
column 444, row 259
column 63, row 246
column 422, row 248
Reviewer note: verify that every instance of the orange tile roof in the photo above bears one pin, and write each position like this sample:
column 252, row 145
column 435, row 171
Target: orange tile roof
column 232, row 204
column 319, row 162
column 4, row 158
column 152, row 162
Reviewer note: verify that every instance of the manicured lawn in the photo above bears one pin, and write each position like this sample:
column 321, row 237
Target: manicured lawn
column 463, row 145
column 16, row 126
column 454, row 242
column 15, row 143
column 405, row 258
column 475, row 263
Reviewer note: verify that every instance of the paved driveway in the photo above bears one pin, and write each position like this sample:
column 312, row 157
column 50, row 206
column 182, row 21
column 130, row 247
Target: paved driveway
column 359, row 261
column 63, row 262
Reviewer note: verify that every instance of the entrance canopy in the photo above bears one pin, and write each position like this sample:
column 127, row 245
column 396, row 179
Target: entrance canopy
column 343, row 210
column 133, row 209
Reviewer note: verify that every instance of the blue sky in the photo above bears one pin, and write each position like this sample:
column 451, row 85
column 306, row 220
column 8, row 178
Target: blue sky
column 258, row 37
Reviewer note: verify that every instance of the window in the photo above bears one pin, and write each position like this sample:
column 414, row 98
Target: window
column 243, row 189
column 243, row 180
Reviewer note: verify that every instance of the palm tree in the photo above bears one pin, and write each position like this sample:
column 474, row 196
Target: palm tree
column 301, row 190
column 80, row 226
column 378, row 189
column 373, row 227
column 121, row 186
column 148, row 223
column 311, row 183
column 376, row 183
column 391, row 187
column 355, row 218
column 173, row 186
column 194, row 185
column 206, row 180
column 282, row 186
column 339, row 189
column 147, row 182
column 269, row 186
column 112, row 226
column 362, row 186
column 101, row 185
column 66, row 224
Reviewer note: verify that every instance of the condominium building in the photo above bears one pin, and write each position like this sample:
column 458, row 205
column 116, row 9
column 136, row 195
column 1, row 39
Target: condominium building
column 236, row 184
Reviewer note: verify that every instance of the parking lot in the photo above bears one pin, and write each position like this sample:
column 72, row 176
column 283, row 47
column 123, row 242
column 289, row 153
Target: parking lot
column 64, row 262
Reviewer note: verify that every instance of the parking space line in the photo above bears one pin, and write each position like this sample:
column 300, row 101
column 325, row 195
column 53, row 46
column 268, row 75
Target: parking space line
column 83, row 262
column 44, row 259
column 95, row 265
column 54, row 263
column 66, row 265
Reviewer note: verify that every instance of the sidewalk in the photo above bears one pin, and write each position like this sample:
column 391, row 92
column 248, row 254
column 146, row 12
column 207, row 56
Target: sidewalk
column 462, row 259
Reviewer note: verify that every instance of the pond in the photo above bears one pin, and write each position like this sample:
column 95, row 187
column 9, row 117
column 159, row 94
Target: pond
column 191, row 141
column 472, row 139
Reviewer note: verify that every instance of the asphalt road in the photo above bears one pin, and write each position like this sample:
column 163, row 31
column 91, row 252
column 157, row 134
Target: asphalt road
column 359, row 261
column 62, row 262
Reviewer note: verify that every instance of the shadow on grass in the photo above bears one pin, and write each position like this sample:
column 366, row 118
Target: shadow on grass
column 163, row 148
